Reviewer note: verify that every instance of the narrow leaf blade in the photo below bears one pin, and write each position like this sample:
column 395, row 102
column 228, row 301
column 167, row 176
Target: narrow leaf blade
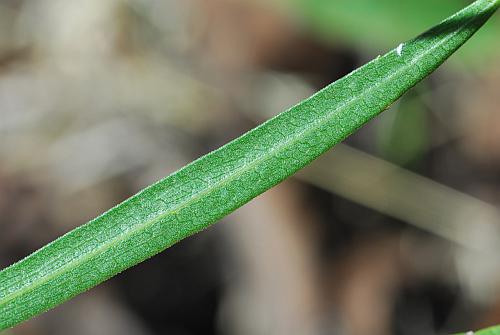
column 487, row 331
column 204, row 191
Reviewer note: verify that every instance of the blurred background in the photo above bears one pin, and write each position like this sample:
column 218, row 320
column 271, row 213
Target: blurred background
column 395, row 231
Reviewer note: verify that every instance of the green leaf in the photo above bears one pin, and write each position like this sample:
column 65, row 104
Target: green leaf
column 488, row 331
column 204, row 191
column 350, row 22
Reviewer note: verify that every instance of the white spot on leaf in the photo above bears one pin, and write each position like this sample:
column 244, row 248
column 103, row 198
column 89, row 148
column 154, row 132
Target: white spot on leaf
column 399, row 51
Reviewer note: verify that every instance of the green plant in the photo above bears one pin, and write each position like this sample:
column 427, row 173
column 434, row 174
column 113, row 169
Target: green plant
column 349, row 21
column 487, row 331
column 204, row 191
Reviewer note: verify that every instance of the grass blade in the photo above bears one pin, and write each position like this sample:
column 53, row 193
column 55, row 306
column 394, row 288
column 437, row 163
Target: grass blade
column 204, row 191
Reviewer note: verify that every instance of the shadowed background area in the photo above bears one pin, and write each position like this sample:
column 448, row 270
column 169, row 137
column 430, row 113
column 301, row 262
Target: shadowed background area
column 395, row 231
